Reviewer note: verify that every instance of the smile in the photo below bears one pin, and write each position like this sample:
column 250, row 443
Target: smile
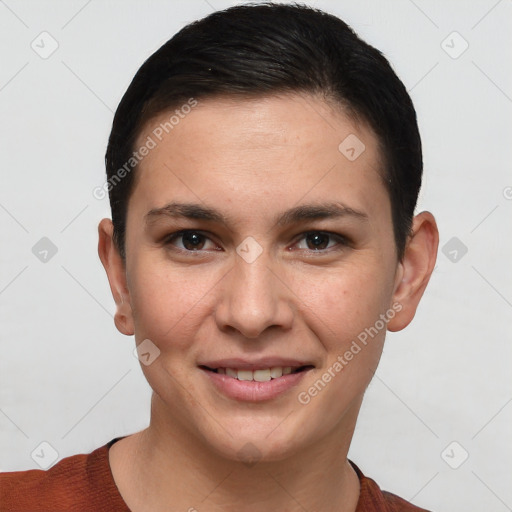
column 260, row 375
column 257, row 384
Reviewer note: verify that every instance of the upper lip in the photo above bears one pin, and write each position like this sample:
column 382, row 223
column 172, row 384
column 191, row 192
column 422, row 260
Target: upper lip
column 254, row 364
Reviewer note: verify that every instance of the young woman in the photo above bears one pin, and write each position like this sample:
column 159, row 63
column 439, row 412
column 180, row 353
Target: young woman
column 263, row 171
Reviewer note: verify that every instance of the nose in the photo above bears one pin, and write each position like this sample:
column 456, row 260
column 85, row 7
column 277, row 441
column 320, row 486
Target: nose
column 254, row 298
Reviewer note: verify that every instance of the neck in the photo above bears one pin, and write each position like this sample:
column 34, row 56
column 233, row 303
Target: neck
column 166, row 466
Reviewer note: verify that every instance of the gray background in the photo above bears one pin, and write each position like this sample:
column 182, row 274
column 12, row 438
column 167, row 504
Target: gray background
column 68, row 378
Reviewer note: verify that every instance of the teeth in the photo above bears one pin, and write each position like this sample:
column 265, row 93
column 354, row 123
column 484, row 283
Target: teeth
column 231, row 373
column 261, row 375
column 257, row 375
column 276, row 372
column 245, row 375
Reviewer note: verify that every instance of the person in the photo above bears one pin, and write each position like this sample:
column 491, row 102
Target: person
column 263, row 170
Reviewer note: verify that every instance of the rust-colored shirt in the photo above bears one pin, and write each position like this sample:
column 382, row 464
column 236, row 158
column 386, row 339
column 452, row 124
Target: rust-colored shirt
column 84, row 483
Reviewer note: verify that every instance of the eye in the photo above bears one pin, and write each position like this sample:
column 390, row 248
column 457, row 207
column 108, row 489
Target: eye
column 196, row 241
column 319, row 241
column 190, row 240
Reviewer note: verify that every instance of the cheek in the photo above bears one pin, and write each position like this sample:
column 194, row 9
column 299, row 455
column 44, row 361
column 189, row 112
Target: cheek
column 343, row 302
column 167, row 302
column 343, row 310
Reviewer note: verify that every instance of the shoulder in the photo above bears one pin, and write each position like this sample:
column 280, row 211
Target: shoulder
column 81, row 482
column 373, row 499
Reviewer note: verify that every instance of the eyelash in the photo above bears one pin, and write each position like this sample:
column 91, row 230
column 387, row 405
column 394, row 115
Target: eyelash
column 342, row 241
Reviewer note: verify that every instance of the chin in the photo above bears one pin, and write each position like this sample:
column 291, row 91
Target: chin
column 250, row 445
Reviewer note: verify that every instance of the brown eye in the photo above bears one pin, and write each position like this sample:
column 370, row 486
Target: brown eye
column 193, row 241
column 190, row 240
column 319, row 241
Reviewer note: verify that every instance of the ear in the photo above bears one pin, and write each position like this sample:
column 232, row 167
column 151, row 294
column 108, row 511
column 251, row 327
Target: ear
column 116, row 273
column 414, row 271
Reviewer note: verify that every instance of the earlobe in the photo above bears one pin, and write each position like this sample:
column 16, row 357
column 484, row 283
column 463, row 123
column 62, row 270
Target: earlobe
column 116, row 274
column 413, row 273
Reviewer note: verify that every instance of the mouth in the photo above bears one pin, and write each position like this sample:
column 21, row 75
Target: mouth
column 259, row 374
column 257, row 380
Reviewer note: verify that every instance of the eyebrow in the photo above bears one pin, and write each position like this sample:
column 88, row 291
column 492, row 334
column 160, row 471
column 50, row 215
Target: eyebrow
column 292, row 216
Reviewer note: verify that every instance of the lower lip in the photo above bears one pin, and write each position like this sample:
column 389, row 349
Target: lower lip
column 251, row 390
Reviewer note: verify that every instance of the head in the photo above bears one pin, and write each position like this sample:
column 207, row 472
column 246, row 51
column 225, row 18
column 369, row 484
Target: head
column 263, row 168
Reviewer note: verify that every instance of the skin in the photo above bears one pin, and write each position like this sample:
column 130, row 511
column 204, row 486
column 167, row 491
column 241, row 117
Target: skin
column 252, row 159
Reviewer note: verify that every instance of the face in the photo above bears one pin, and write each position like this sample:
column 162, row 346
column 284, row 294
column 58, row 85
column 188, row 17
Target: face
column 257, row 248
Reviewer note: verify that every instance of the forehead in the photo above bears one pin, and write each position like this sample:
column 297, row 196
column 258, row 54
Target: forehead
column 260, row 151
